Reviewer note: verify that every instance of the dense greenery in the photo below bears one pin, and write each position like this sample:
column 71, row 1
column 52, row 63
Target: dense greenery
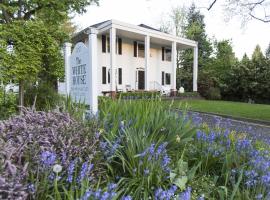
column 221, row 74
column 133, row 150
column 138, row 95
column 36, row 30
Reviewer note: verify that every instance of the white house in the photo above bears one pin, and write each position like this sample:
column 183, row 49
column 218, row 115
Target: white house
column 126, row 57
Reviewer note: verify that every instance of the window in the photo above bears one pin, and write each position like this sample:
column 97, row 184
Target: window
column 166, row 54
column 135, row 48
column 120, row 76
column 104, row 75
column 162, row 78
column 168, row 78
column 106, row 45
column 103, row 43
column 138, row 49
column 118, row 48
column 141, row 50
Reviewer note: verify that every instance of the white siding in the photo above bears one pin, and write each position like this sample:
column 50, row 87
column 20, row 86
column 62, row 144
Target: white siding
column 129, row 65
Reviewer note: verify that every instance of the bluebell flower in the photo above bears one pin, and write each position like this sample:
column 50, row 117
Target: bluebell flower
column 48, row 158
column 70, row 170
column 186, row 195
column 126, row 198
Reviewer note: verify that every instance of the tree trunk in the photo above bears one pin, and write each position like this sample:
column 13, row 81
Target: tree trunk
column 21, row 95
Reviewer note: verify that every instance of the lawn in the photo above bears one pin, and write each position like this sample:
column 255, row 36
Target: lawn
column 235, row 109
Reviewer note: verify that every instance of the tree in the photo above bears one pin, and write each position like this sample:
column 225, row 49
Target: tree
column 25, row 62
column 195, row 30
column 224, row 59
column 267, row 52
column 247, row 9
column 39, row 34
column 54, row 10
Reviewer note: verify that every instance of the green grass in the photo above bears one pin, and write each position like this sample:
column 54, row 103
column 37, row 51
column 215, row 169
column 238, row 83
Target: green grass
column 235, row 109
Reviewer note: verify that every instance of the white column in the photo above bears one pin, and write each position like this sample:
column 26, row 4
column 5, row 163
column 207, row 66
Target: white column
column 195, row 68
column 147, row 61
column 92, row 46
column 67, row 53
column 174, row 65
column 112, row 58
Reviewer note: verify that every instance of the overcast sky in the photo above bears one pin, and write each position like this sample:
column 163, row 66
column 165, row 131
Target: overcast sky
column 151, row 12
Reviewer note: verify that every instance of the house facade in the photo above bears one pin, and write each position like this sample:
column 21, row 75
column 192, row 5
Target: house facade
column 128, row 57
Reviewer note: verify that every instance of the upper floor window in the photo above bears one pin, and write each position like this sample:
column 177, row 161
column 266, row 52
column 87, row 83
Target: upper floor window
column 166, row 54
column 139, row 49
column 106, row 44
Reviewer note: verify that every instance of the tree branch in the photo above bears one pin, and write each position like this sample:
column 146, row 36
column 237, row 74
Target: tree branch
column 212, row 4
column 260, row 19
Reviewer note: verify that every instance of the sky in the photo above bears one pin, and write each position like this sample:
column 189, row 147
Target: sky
column 152, row 12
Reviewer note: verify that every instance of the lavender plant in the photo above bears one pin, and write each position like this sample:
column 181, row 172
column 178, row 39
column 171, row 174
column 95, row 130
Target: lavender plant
column 32, row 143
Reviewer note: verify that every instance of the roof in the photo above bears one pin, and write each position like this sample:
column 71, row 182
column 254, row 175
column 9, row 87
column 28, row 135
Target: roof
column 98, row 24
column 149, row 27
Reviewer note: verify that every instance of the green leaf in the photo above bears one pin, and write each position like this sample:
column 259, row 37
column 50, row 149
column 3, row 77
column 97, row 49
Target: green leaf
column 181, row 182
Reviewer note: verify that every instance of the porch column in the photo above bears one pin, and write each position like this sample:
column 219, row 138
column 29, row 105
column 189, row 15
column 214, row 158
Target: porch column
column 92, row 46
column 174, row 65
column 195, row 68
column 67, row 53
column 147, row 61
column 112, row 60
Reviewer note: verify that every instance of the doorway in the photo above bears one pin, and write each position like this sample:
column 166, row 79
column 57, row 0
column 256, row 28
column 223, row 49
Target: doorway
column 141, row 77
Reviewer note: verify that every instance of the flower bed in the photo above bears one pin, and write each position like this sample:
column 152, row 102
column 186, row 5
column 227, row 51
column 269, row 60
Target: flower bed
column 138, row 95
column 134, row 150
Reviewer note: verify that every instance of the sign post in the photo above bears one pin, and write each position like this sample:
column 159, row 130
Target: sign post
column 81, row 73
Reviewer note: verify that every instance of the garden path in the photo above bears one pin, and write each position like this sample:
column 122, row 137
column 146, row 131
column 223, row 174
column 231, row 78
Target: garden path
column 257, row 131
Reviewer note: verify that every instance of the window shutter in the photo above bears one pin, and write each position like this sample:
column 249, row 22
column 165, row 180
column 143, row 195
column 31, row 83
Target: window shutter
column 163, row 53
column 162, row 78
column 103, row 75
column 120, row 76
column 120, row 46
column 135, row 48
column 104, row 43
column 109, row 76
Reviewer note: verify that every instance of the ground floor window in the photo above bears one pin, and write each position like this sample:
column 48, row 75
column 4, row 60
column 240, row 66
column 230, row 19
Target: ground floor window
column 104, row 72
column 162, row 78
column 120, row 76
column 168, row 78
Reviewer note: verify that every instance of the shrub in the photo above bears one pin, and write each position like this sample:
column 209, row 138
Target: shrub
column 189, row 95
column 8, row 104
column 46, row 96
column 138, row 95
column 213, row 93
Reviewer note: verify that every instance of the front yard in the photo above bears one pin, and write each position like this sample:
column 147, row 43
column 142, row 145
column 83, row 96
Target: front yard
column 235, row 109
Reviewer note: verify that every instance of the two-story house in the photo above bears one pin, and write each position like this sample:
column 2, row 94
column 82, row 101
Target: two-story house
column 131, row 57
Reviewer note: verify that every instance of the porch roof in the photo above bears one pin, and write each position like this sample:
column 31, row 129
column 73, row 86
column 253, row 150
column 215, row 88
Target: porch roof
column 137, row 33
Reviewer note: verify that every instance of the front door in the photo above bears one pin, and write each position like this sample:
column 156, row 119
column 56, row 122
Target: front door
column 141, row 80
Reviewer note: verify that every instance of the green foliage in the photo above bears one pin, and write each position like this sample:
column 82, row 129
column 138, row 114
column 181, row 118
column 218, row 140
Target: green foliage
column 42, row 96
column 213, row 93
column 249, row 79
column 8, row 104
column 138, row 95
column 194, row 30
column 145, row 123
column 189, row 95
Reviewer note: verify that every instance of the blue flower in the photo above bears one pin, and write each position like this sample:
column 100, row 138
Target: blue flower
column 126, row 198
column 71, row 168
column 48, row 158
column 186, row 195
